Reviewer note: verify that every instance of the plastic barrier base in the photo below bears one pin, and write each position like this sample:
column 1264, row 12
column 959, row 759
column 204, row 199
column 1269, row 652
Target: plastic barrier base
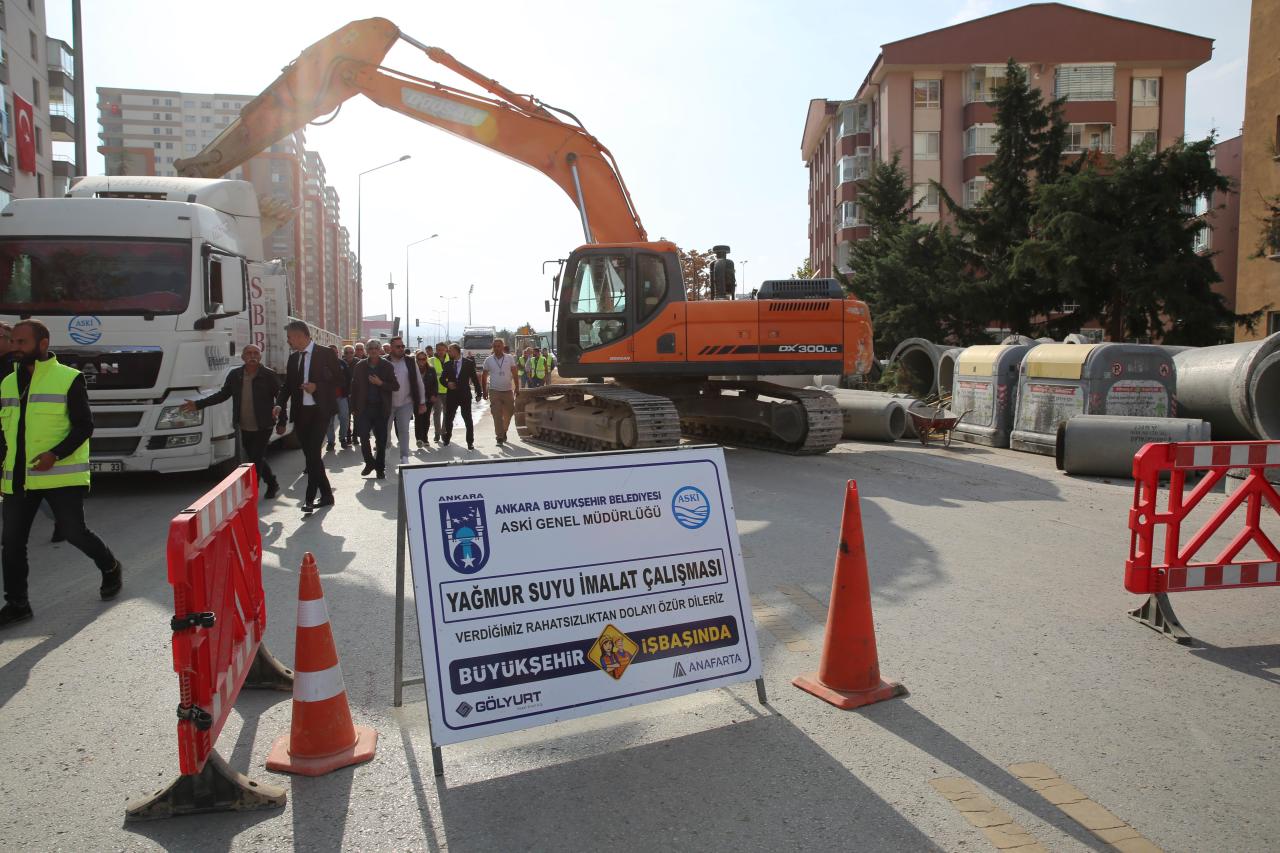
column 1157, row 614
column 847, row 700
column 216, row 788
column 359, row 752
column 268, row 673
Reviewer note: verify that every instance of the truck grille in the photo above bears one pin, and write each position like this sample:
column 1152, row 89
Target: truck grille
column 116, row 420
column 114, row 367
column 113, row 445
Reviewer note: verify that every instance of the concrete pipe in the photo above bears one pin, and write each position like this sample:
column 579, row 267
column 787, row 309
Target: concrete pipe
column 1017, row 340
column 917, row 361
column 870, row 416
column 947, row 370
column 1075, row 338
column 1235, row 387
column 1104, row 445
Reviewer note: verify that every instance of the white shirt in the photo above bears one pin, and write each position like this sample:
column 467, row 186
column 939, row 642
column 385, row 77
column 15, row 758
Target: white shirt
column 307, row 399
column 499, row 371
column 406, row 371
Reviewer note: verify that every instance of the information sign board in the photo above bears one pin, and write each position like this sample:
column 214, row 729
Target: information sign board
column 549, row 588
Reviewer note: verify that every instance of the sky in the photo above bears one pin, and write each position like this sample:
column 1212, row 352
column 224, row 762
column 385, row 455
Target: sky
column 702, row 103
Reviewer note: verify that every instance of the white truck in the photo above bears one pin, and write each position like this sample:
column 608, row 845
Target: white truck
column 149, row 286
column 477, row 341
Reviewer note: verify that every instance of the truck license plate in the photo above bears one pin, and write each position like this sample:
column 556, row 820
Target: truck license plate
column 106, row 467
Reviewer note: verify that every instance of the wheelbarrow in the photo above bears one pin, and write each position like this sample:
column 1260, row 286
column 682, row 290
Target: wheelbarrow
column 934, row 422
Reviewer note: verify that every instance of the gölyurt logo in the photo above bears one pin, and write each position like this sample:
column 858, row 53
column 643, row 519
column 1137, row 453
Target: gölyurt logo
column 84, row 329
column 690, row 507
column 466, row 535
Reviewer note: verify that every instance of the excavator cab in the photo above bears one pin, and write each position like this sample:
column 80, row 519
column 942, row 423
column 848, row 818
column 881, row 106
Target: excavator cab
column 612, row 298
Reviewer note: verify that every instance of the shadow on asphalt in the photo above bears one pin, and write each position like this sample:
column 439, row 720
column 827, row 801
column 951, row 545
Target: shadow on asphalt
column 907, row 723
column 1259, row 661
column 761, row 784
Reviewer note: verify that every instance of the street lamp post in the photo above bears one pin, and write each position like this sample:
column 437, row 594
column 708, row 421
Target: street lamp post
column 448, row 318
column 470, row 290
column 391, row 297
column 359, row 211
column 406, row 277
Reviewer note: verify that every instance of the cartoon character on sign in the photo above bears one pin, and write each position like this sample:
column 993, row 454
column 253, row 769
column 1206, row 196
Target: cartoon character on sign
column 465, row 534
column 613, row 652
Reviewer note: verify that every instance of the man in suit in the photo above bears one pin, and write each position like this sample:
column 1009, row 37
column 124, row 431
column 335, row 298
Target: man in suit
column 457, row 374
column 309, row 399
column 373, row 382
column 252, row 388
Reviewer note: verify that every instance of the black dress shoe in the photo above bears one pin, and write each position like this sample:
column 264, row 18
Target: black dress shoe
column 368, row 469
column 272, row 492
column 382, row 475
column 325, row 501
column 112, row 581
column 446, row 441
column 12, row 614
column 308, row 507
column 57, row 535
column 470, row 446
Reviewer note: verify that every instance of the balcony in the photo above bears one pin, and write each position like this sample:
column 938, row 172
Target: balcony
column 63, row 167
column 62, row 121
column 1089, row 137
column 62, row 64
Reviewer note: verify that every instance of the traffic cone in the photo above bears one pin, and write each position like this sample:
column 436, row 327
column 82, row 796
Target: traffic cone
column 849, row 674
column 322, row 737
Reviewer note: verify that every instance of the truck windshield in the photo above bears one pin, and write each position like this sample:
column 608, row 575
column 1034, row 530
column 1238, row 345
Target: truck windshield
column 484, row 341
column 44, row 275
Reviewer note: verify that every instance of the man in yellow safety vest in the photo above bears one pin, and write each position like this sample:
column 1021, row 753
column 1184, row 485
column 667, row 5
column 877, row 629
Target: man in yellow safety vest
column 438, row 361
column 44, row 412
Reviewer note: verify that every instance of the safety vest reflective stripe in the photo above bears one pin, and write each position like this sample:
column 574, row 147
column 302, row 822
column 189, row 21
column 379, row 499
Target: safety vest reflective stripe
column 47, row 398
column 8, row 401
column 70, row 468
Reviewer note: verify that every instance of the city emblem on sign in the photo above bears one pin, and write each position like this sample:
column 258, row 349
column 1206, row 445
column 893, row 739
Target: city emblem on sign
column 613, row 652
column 466, row 535
column 690, row 507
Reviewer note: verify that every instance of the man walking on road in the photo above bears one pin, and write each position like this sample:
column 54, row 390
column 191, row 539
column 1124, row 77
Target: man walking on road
column 252, row 388
column 457, row 374
column 372, row 384
column 340, row 424
column 409, row 398
column 500, row 382
column 44, row 412
column 309, row 399
column 438, row 361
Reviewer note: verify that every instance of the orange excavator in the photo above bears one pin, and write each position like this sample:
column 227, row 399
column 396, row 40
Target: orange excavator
column 677, row 365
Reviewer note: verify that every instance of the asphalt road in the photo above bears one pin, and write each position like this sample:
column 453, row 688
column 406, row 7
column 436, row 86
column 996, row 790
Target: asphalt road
column 997, row 588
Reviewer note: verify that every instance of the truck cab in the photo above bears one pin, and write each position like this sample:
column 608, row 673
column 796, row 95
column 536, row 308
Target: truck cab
column 144, row 284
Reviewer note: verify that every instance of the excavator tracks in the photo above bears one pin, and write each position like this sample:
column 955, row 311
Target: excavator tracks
column 797, row 421
column 596, row 416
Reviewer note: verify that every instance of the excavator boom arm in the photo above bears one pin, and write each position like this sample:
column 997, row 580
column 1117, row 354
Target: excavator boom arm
column 348, row 62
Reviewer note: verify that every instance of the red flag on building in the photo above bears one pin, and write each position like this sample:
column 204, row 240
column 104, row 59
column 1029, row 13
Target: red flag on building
column 25, row 134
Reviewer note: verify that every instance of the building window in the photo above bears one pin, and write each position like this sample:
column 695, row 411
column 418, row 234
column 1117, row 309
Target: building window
column 191, row 146
column 168, row 102
column 1088, row 137
column 925, row 144
column 168, row 131
column 155, row 102
column 855, row 168
column 980, row 139
column 187, row 105
column 206, row 105
column 855, row 118
column 35, row 46
column 981, row 82
column 206, row 119
column 189, row 133
column 39, row 141
column 155, row 116
column 1146, row 91
column 974, row 190
column 226, row 105
column 168, row 116
column 35, row 92
column 1085, row 82
column 156, row 131
column 1142, row 137
column 926, row 94
column 849, row 214
column 1200, row 242
column 924, row 197
column 191, row 119
column 157, row 144
column 169, row 145
column 40, row 185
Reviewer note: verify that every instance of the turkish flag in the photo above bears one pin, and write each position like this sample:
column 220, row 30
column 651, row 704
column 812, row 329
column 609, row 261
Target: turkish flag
column 25, row 133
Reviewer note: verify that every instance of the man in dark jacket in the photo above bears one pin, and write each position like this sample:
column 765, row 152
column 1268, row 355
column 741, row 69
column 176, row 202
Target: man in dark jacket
column 252, row 390
column 457, row 374
column 373, row 381
column 340, row 425
column 309, row 393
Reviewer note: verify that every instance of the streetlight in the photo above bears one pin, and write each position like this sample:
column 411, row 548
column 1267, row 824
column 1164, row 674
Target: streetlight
column 448, row 317
column 359, row 232
column 406, row 277
column 391, row 296
column 470, row 290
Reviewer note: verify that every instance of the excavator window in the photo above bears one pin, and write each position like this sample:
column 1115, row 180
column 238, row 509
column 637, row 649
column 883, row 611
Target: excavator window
column 652, row 275
column 598, row 301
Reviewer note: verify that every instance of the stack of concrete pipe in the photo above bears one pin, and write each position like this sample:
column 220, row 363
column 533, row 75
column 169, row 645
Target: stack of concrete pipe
column 870, row 415
column 1235, row 387
column 947, row 370
column 918, row 360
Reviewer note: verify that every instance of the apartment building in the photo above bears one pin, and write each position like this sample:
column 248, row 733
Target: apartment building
column 1258, row 272
column 929, row 98
column 37, row 105
column 1220, row 235
column 146, row 131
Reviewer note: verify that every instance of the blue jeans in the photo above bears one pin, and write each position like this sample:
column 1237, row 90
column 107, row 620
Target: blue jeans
column 343, row 417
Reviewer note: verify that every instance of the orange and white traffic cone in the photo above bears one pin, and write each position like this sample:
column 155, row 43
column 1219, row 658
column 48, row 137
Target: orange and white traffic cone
column 849, row 674
column 322, row 737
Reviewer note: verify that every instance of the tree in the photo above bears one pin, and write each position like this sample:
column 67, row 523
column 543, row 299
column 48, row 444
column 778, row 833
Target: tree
column 805, row 270
column 1030, row 139
column 911, row 275
column 1119, row 238
column 695, row 269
